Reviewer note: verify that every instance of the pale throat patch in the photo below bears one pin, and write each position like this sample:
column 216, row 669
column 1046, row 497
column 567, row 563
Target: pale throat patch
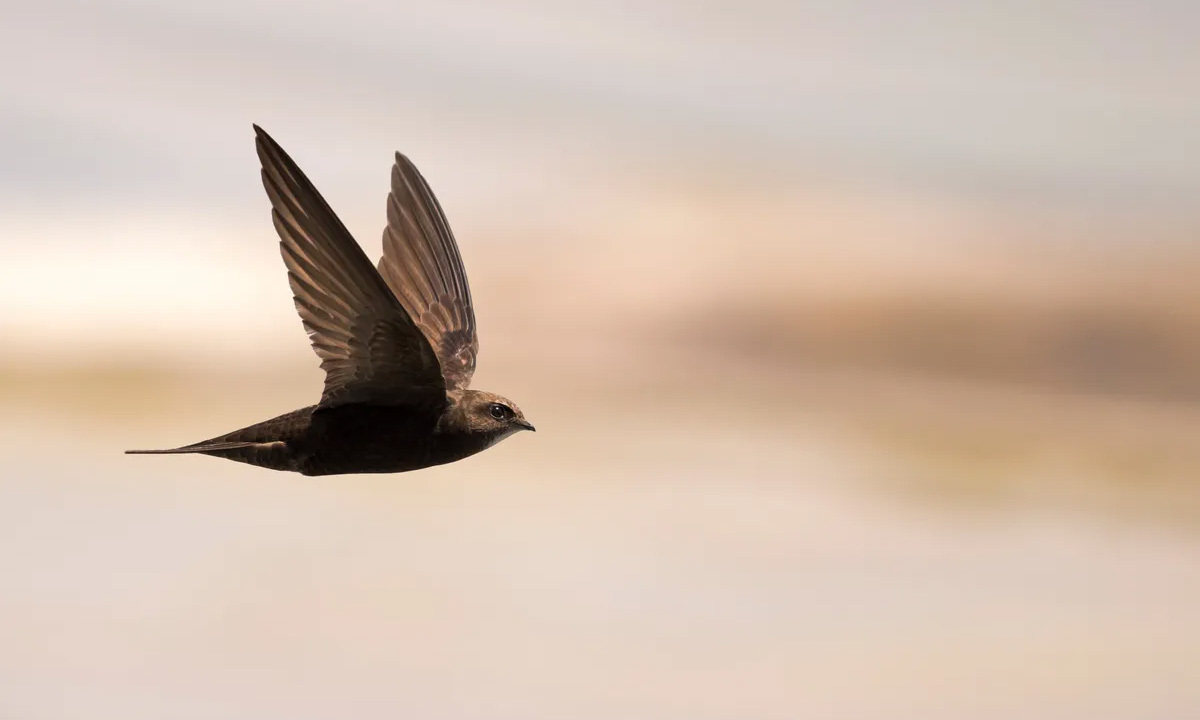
column 499, row 436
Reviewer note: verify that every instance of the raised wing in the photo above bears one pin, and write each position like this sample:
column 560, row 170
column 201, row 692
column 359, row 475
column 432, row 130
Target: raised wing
column 369, row 347
column 422, row 266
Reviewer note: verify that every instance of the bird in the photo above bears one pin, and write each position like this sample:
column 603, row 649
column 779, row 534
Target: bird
column 397, row 341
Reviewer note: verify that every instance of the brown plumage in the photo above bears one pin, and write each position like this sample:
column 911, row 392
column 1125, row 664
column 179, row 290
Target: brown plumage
column 398, row 344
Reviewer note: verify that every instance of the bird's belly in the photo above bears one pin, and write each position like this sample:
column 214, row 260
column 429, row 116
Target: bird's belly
column 365, row 439
column 358, row 457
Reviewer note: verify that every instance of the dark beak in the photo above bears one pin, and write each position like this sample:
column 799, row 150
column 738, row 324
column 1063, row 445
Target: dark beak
column 526, row 426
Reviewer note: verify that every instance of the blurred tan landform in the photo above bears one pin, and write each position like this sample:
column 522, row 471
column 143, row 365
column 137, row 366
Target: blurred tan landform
column 1022, row 370
column 777, row 461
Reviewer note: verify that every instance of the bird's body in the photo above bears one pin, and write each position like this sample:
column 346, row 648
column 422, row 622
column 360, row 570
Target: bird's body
column 357, row 438
column 398, row 344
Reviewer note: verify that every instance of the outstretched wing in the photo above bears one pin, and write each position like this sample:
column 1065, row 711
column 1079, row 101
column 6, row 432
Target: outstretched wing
column 422, row 266
column 369, row 347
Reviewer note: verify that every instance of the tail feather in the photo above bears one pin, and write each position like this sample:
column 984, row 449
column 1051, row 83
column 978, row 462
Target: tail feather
column 198, row 448
column 265, row 444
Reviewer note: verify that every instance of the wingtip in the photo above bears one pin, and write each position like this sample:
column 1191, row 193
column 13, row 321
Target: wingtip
column 265, row 146
column 404, row 160
column 263, row 140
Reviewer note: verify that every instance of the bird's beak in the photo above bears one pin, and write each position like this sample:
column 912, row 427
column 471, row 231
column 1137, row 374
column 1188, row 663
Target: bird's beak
column 526, row 426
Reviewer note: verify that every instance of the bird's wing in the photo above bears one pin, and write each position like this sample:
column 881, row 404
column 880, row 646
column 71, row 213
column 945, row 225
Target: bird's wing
column 422, row 266
column 369, row 347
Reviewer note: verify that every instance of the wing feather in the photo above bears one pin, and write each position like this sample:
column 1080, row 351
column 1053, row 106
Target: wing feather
column 422, row 266
column 369, row 345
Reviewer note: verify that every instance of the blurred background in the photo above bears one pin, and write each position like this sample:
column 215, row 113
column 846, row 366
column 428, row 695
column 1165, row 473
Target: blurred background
column 863, row 342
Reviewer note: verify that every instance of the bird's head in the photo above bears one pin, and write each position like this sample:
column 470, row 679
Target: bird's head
column 489, row 414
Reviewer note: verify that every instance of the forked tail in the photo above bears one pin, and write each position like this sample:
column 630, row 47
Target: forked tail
column 198, row 448
column 264, row 444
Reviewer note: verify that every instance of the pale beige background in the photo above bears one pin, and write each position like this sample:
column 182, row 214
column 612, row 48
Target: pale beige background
column 863, row 342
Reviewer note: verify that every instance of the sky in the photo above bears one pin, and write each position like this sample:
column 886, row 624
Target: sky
column 128, row 178
column 1076, row 97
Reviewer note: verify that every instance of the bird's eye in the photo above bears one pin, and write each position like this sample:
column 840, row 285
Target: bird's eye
column 498, row 411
